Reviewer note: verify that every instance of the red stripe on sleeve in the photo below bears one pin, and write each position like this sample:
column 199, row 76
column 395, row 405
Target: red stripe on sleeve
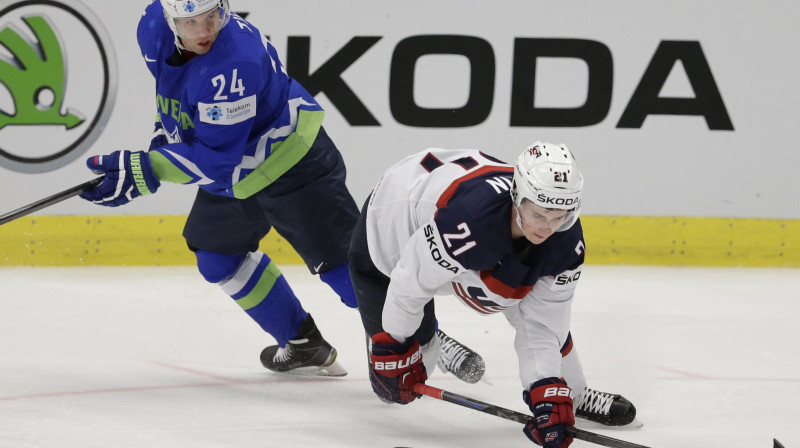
column 567, row 346
column 503, row 290
column 445, row 197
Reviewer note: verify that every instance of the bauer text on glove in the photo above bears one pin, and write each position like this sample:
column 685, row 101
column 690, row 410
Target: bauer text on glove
column 550, row 401
column 395, row 368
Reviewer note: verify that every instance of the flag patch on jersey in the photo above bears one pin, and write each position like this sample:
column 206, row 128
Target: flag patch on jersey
column 476, row 299
column 229, row 112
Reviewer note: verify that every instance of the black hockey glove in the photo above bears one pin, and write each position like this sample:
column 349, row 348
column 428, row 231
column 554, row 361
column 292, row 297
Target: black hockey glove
column 550, row 401
column 395, row 367
column 128, row 175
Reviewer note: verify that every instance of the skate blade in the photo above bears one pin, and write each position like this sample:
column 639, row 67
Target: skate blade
column 482, row 379
column 589, row 425
column 333, row 370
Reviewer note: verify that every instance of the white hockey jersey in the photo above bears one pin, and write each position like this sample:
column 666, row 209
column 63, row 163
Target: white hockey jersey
column 439, row 223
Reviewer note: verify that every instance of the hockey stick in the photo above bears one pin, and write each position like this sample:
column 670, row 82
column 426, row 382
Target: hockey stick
column 515, row 416
column 51, row 200
column 519, row 417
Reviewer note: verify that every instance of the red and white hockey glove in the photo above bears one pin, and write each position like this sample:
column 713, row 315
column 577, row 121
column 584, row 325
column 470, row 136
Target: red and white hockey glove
column 550, row 401
column 395, row 367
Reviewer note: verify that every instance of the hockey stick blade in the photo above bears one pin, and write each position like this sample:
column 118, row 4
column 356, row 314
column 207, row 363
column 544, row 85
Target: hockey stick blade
column 50, row 200
column 515, row 416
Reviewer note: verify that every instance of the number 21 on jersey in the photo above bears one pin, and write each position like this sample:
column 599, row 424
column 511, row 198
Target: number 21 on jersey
column 464, row 234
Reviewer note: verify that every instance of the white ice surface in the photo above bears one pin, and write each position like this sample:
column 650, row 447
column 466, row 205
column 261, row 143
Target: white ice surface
column 156, row 357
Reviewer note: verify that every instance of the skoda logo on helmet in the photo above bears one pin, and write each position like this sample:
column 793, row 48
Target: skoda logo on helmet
column 53, row 108
column 189, row 6
column 549, row 202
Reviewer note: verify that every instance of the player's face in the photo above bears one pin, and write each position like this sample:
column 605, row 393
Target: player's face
column 199, row 32
column 538, row 223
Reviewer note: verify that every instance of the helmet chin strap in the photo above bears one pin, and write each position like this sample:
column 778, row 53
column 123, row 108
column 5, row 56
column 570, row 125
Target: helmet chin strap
column 519, row 223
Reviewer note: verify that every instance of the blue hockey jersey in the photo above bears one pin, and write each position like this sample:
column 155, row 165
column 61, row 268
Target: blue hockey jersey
column 234, row 119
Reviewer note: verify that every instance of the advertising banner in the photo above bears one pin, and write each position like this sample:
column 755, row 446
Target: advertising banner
column 679, row 108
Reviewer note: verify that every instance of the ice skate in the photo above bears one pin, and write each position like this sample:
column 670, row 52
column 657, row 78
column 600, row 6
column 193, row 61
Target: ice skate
column 306, row 354
column 459, row 360
column 606, row 409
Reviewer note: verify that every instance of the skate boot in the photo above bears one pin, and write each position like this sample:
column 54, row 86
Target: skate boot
column 306, row 354
column 606, row 409
column 459, row 360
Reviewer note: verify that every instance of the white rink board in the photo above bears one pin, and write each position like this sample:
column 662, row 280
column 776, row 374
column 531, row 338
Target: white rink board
column 670, row 165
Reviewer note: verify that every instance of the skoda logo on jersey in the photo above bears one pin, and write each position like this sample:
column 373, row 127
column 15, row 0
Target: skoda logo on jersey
column 53, row 106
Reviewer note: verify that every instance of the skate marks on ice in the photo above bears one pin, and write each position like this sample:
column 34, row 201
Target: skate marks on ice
column 169, row 361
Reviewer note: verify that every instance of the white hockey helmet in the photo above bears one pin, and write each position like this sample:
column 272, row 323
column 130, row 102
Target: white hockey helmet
column 179, row 14
column 547, row 175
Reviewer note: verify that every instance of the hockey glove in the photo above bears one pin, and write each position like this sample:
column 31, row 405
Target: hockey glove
column 550, row 401
column 395, row 367
column 128, row 175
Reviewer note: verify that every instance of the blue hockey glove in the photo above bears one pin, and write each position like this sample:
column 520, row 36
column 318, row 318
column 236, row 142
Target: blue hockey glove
column 128, row 175
column 395, row 368
column 550, row 400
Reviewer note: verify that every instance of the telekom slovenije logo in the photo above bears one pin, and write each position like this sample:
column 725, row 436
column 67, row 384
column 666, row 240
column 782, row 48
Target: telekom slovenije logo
column 53, row 106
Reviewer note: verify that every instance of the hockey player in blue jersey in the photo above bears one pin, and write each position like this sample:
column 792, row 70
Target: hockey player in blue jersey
column 501, row 239
column 232, row 122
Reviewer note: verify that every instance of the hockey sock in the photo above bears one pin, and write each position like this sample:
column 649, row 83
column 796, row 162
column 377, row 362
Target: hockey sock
column 572, row 370
column 338, row 279
column 258, row 286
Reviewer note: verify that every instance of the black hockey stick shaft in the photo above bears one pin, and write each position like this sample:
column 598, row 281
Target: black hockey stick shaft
column 50, row 200
column 515, row 416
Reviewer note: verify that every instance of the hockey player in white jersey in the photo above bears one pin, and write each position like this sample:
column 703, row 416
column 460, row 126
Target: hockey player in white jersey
column 501, row 239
